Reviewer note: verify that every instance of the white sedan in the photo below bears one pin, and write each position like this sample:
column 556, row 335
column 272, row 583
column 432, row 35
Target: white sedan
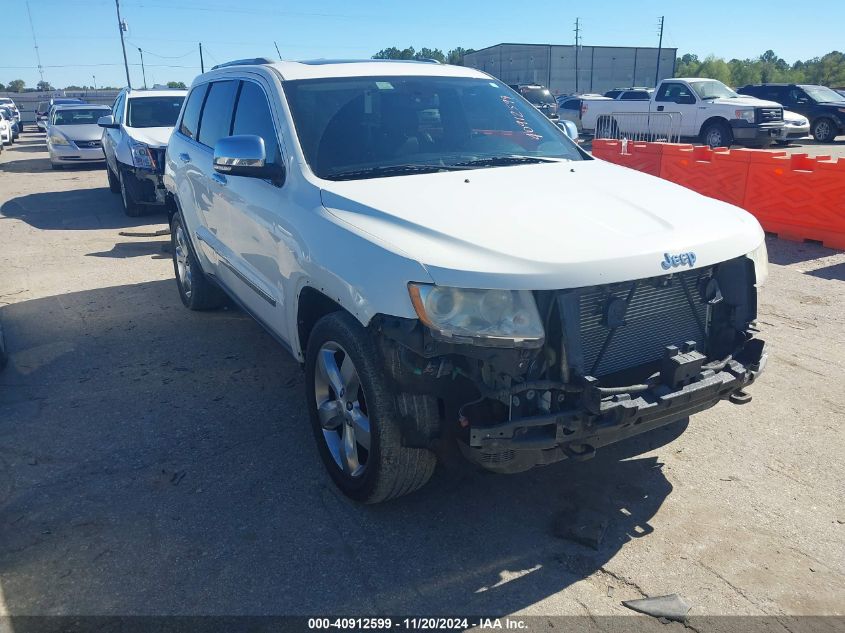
column 795, row 126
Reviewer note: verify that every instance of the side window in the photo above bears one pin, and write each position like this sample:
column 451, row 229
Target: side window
column 252, row 116
column 675, row 93
column 635, row 95
column 796, row 95
column 117, row 108
column 572, row 104
column 216, row 121
column 191, row 117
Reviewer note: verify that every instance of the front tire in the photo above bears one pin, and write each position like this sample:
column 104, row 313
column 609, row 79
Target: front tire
column 130, row 206
column 114, row 183
column 717, row 134
column 824, row 130
column 355, row 415
column 196, row 290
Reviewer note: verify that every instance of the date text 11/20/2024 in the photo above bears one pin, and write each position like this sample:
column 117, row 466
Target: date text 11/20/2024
column 417, row 624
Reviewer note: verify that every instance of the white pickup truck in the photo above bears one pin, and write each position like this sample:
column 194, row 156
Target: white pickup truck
column 705, row 109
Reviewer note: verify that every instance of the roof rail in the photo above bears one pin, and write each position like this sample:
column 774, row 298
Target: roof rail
column 255, row 61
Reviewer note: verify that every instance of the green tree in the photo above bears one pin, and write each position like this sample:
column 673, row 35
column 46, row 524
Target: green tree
column 177, row 85
column 44, row 86
column 2, row 87
column 715, row 68
column 17, row 85
column 457, row 54
column 395, row 53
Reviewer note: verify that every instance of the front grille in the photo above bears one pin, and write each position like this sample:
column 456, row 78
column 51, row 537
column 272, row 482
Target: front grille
column 88, row 144
column 769, row 115
column 653, row 313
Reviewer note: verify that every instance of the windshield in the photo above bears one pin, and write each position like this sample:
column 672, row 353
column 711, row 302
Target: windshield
column 822, row 94
column 712, row 89
column 153, row 111
column 78, row 116
column 538, row 95
column 379, row 124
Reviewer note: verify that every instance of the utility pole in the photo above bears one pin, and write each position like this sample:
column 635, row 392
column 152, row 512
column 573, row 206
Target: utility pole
column 202, row 63
column 659, row 49
column 94, row 77
column 143, row 72
column 35, row 43
column 277, row 49
column 121, row 26
column 577, row 46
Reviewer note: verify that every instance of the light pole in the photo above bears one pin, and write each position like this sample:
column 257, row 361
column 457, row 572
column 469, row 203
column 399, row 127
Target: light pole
column 94, row 77
column 143, row 72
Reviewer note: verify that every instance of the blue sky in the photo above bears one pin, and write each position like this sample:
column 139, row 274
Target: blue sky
column 78, row 39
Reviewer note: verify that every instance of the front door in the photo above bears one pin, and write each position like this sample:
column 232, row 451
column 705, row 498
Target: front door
column 676, row 97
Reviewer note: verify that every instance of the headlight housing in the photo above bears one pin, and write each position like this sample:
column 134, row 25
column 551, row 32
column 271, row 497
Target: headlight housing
column 57, row 138
column 760, row 257
column 479, row 317
column 747, row 115
column 141, row 155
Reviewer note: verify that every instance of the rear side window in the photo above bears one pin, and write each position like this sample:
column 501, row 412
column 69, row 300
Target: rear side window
column 635, row 95
column 572, row 104
column 252, row 116
column 191, row 119
column 216, row 122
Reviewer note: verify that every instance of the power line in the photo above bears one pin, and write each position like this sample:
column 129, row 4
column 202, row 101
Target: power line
column 35, row 42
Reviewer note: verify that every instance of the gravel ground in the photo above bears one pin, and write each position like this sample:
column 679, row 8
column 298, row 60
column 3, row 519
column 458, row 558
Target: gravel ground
column 159, row 461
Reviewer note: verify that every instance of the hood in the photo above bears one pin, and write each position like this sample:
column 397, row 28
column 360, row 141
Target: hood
column 794, row 118
column 746, row 101
column 542, row 226
column 151, row 136
column 87, row 132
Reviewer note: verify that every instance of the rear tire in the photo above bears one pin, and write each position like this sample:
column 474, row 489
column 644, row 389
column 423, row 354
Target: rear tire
column 824, row 130
column 355, row 414
column 717, row 134
column 130, row 207
column 196, row 290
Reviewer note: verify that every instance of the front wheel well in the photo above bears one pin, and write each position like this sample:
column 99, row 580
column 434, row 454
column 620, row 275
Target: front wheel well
column 710, row 121
column 312, row 306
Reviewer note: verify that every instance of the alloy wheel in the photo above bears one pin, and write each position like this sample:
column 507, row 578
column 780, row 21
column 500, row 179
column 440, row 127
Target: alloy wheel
column 183, row 262
column 342, row 409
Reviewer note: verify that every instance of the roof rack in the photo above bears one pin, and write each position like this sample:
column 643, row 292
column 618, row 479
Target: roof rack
column 255, row 61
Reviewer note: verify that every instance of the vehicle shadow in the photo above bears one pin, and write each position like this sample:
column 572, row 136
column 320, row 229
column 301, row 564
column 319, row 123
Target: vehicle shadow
column 833, row 272
column 160, row 461
column 158, row 249
column 786, row 252
column 75, row 209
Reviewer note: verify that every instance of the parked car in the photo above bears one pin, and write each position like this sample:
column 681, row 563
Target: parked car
column 9, row 103
column 434, row 280
column 7, row 135
column 569, row 107
column 42, row 113
column 135, row 137
column 540, row 97
column 14, row 121
column 825, row 108
column 840, row 91
column 73, row 135
column 630, row 94
column 707, row 110
column 795, row 127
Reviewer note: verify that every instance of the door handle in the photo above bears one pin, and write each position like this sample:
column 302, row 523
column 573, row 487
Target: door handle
column 185, row 158
column 660, row 108
column 220, row 179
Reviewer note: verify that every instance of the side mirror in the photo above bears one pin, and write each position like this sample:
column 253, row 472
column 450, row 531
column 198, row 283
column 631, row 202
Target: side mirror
column 107, row 121
column 569, row 128
column 245, row 155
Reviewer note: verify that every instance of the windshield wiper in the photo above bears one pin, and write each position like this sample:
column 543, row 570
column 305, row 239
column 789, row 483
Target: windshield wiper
column 389, row 170
column 498, row 161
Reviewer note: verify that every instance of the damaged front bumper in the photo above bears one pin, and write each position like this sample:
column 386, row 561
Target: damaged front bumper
column 602, row 418
column 146, row 186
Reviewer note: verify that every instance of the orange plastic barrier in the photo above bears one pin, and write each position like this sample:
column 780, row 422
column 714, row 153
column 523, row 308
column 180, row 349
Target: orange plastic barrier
column 644, row 157
column 798, row 197
column 718, row 173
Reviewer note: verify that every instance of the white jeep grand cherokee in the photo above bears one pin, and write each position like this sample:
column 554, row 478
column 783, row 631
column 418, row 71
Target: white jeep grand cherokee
column 451, row 268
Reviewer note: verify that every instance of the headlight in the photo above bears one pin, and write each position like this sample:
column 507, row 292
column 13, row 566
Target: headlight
column 57, row 138
column 747, row 115
column 483, row 317
column 141, row 156
column 760, row 257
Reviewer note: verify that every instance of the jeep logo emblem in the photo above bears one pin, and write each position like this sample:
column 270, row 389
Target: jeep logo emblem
column 681, row 259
